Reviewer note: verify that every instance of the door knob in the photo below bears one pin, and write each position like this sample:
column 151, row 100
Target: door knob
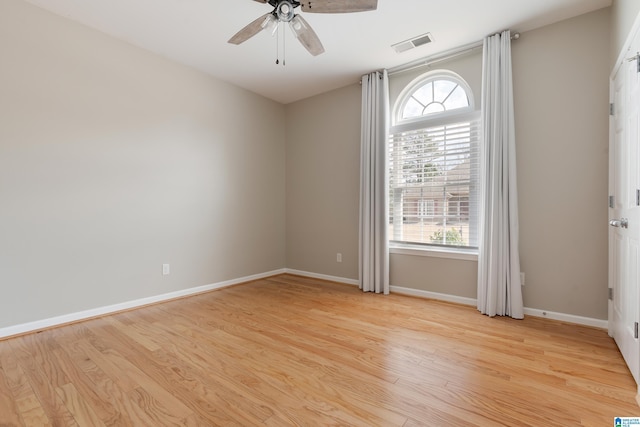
column 622, row 222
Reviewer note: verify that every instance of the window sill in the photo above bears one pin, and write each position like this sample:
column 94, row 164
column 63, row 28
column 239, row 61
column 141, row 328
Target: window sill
column 450, row 253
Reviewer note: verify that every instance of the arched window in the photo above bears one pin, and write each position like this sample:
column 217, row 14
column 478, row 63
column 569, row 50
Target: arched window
column 433, row 163
column 434, row 94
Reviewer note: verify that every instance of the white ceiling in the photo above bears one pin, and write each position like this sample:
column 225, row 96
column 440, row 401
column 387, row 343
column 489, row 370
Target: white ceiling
column 195, row 33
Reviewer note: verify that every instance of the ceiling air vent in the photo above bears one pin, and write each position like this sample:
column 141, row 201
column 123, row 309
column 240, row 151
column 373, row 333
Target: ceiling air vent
column 412, row 43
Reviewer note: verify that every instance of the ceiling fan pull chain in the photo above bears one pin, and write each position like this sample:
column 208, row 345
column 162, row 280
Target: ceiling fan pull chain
column 284, row 46
column 278, row 43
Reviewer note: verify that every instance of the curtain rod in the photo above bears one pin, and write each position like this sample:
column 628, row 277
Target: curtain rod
column 444, row 56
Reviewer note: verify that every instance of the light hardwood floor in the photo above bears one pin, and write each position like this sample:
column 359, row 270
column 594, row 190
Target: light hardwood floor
column 296, row 351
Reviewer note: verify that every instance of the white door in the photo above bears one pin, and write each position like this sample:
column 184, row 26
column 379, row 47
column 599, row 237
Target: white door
column 624, row 208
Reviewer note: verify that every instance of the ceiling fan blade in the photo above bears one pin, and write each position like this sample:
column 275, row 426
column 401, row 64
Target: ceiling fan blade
column 305, row 34
column 261, row 1
column 338, row 6
column 250, row 30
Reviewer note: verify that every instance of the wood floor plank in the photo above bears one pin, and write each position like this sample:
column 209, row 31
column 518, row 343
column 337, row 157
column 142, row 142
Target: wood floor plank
column 96, row 386
column 230, row 344
column 86, row 388
column 136, row 333
column 9, row 414
column 35, row 359
column 223, row 396
column 117, row 374
column 32, row 412
column 148, row 387
column 161, row 414
column 280, row 366
column 81, row 411
column 211, row 399
column 288, row 350
column 303, row 338
column 133, row 415
column 13, row 375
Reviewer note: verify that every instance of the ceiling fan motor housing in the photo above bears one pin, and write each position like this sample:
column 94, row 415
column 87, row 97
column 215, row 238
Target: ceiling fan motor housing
column 284, row 10
column 275, row 3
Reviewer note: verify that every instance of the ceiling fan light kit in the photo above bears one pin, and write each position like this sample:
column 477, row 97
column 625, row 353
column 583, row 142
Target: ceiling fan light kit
column 284, row 11
column 270, row 24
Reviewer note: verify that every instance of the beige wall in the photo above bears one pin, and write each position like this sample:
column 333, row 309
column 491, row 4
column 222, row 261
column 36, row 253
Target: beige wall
column 623, row 15
column 323, row 183
column 114, row 161
column 560, row 85
column 561, row 103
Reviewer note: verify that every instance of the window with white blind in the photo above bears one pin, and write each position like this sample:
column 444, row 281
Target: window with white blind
column 433, row 164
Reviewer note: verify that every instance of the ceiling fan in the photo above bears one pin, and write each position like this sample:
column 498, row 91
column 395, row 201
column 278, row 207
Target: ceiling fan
column 284, row 11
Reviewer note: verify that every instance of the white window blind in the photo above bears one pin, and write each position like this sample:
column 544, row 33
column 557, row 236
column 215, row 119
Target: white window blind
column 433, row 180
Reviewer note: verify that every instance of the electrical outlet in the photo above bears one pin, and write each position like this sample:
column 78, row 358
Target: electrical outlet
column 521, row 278
column 166, row 269
column 339, row 257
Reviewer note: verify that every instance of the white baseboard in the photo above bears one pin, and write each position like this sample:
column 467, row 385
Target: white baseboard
column 432, row 295
column 346, row 281
column 569, row 318
column 110, row 309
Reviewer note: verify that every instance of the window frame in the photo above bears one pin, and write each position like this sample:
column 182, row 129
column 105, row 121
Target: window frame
column 417, row 83
column 430, row 120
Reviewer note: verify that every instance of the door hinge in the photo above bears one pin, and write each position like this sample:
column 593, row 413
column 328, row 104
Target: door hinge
column 610, row 294
column 635, row 330
column 612, row 109
column 638, row 197
column 637, row 59
column 612, row 202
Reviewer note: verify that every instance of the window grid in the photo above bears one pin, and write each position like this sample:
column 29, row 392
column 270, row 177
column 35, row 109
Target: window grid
column 434, row 97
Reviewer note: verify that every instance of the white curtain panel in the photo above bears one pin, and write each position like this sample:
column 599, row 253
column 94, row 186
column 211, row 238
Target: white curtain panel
column 499, row 287
column 374, row 212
